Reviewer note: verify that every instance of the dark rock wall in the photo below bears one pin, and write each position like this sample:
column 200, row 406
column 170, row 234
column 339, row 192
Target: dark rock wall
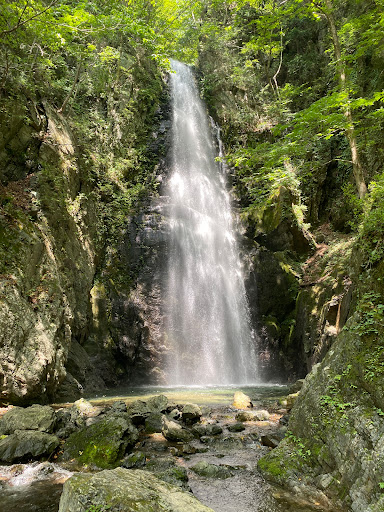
column 138, row 316
column 127, row 302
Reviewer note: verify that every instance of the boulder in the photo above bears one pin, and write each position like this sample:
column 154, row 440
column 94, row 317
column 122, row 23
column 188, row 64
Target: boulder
column 271, row 440
column 242, row 401
column 260, row 415
column 207, row 430
column 191, row 413
column 81, row 413
column 236, row 427
column 134, row 460
column 296, row 386
column 175, row 414
column 103, row 443
column 157, row 403
column 141, row 409
column 68, row 421
column 123, row 489
column 86, row 409
column 175, row 432
column 27, row 444
column 291, row 399
column 117, row 407
column 207, row 470
column 36, row 417
column 166, row 469
column 154, row 423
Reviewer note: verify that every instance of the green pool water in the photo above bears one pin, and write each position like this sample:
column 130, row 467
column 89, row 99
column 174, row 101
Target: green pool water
column 210, row 396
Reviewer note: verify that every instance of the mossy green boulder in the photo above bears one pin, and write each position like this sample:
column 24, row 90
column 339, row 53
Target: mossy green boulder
column 104, row 443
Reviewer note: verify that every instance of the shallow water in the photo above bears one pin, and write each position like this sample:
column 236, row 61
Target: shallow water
column 208, row 395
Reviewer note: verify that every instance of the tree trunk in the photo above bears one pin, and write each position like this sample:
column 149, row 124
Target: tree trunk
column 350, row 132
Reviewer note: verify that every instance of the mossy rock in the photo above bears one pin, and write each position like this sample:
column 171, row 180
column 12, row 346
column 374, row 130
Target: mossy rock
column 336, row 429
column 36, row 417
column 167, row 470
column 27, row 445
column 207, row 470
column 128, row 490
column 103, row 443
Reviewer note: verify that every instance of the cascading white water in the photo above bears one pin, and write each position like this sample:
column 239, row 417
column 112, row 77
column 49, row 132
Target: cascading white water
column 208, row 328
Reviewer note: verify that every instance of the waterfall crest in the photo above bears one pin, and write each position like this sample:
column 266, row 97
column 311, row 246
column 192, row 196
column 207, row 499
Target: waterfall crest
column 208, row 328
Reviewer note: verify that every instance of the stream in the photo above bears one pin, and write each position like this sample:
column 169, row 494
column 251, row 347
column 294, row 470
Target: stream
column 37, row 487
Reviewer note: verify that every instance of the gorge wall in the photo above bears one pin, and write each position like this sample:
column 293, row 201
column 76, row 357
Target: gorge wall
column 68, row 185
column 83, row 273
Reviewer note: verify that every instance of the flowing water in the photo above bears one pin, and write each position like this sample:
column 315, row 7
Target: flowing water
column 209, row 335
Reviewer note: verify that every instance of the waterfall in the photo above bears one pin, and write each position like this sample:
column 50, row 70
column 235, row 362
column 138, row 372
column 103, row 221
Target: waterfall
column 209, row 337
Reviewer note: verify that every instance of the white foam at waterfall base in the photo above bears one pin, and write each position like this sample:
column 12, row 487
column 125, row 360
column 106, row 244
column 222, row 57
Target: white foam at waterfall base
column 210, row 341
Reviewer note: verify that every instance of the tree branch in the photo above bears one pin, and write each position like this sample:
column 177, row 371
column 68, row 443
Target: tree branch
column 22, row 23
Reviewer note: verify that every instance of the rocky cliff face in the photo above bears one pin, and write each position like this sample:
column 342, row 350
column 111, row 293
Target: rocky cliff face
column 48, row 255
column 67, row 188
column 79, row 313
column 334, row 453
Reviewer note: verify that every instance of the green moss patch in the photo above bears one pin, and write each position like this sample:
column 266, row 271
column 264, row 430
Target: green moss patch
column 102, row 444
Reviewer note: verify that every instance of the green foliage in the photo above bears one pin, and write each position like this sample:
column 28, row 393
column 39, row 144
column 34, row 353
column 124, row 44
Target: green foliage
column 273, row 80
column 100, row 66
column 301, row 447
column 374, row 367
column 371, row 230
column 335, row 402
column 99, row 508
column 371, row 314
column 273, row 466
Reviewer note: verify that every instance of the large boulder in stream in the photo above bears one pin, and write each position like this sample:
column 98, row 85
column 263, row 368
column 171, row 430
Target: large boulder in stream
column 103, row 443
column 140, row 410
column 191, row 413
column 27, row 444
column 172, row 431
column 123, row 489
column 242, row 401
column 36, row 417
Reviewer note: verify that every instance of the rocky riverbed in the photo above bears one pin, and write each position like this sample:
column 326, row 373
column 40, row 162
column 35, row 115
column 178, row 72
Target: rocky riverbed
column 149, row 452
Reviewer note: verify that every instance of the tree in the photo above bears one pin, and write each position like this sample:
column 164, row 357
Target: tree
column 326, row 8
